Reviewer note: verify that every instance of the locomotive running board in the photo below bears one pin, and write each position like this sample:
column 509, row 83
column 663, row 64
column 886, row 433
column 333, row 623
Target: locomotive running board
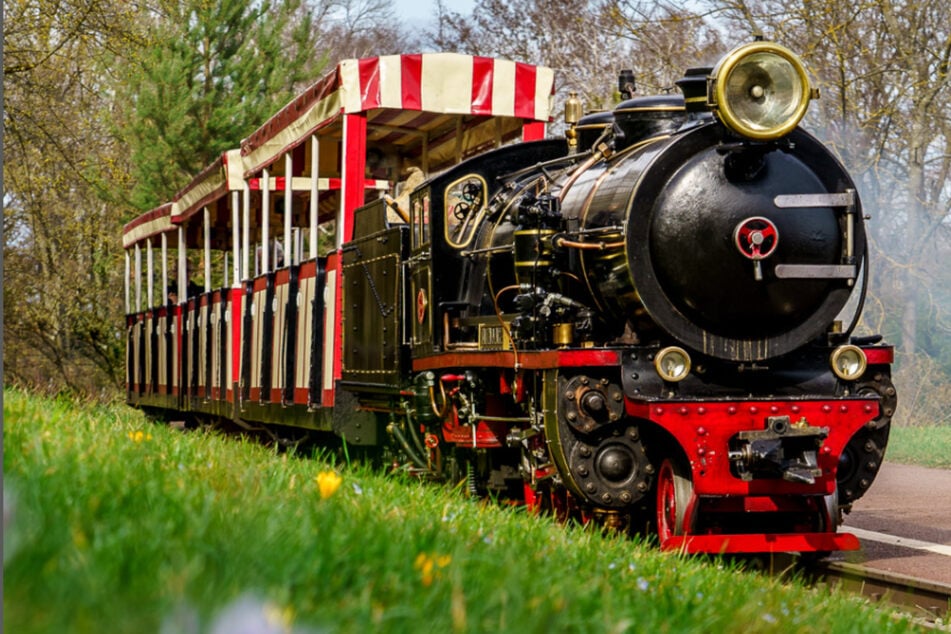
column 761, row 543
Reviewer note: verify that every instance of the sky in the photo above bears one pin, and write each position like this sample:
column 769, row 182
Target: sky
column 422, row 11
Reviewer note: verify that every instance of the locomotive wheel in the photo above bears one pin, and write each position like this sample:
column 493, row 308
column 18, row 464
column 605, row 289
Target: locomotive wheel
column 830, row 514
column 828, row 520
column 675, row 501
column 860, row 462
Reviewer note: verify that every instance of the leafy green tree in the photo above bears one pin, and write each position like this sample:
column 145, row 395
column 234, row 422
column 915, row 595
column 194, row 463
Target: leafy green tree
column 213, row 72
column 63, row 263
column 107, row 102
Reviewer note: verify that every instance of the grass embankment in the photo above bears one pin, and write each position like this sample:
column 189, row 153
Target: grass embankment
column 926, row 445
column 114, row 524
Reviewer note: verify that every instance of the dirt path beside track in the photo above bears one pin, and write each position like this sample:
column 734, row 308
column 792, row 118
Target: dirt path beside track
column 904, row 523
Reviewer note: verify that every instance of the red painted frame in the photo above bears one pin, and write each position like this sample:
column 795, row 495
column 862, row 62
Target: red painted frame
column 704, row 428
column 762, row 543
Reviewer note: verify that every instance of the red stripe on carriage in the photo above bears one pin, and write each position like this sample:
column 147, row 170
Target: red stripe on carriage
column 328, row 396
column 525, row 90
column 533, row 131
column 354, row 165
column 411, row 81
column 237, row 311
column 483, row 79
column 369, row 70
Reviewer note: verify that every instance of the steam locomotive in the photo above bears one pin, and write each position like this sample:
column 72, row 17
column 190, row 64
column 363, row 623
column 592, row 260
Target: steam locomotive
column 648, row 322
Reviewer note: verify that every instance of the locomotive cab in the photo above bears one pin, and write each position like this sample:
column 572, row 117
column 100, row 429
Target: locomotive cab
column 452, row 215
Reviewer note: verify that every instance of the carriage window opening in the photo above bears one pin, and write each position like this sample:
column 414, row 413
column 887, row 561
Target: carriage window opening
column 464, row 207
column 327, row 238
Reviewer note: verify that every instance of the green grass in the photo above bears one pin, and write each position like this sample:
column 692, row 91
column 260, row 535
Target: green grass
column 926, row 445
column 114, row 524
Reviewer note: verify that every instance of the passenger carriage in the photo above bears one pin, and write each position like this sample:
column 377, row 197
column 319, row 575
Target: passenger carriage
column 261, row 341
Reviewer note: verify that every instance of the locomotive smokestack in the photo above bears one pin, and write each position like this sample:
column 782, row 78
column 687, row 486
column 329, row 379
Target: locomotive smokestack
column 694, row 87
column 625, row 84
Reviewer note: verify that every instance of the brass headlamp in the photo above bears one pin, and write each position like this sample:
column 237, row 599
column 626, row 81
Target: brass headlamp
column 848, row 362
column 760, row 91
column 672, row 364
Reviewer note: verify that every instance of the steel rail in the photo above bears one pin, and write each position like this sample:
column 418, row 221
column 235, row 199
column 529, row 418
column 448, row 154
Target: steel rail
column 929, row 602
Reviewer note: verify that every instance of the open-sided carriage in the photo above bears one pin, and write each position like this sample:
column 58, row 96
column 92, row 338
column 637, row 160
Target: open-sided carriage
column 254, row 330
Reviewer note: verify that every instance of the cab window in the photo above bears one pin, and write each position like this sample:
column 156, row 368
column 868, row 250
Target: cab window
column 464, row 208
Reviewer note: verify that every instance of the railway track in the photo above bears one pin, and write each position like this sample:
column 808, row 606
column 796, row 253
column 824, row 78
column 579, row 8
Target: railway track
column 927, row 601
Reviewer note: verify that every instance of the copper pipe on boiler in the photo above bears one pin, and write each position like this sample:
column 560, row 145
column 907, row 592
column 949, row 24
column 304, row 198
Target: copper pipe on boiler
column 587, row 246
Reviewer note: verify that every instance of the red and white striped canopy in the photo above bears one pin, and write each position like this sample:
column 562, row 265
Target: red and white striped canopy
column 408, row 94
column 431, row 107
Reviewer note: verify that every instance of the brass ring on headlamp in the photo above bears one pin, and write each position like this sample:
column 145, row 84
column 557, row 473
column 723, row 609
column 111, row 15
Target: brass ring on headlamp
column 759, row 90
column 672, row 364
column 848, row 362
